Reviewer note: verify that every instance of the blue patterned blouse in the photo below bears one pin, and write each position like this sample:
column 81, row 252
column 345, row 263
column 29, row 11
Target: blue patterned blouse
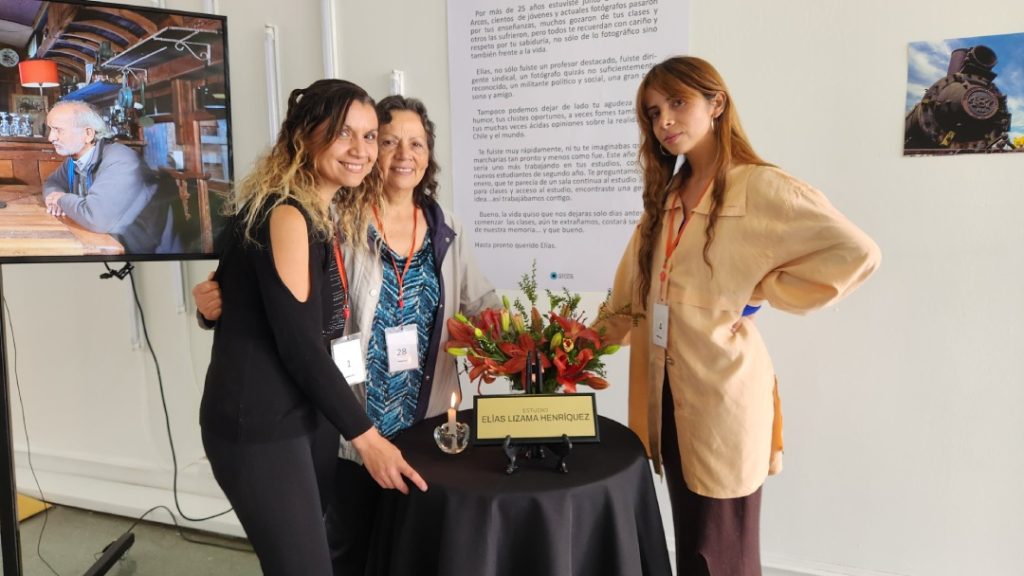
column 391, row 398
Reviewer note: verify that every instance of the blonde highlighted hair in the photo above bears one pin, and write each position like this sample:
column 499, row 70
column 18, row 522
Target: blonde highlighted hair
column 684, row 77
column 315, row 117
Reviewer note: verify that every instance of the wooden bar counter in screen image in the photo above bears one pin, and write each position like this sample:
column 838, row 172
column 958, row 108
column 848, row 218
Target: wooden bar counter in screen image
column 27, row 230
column 25, row 227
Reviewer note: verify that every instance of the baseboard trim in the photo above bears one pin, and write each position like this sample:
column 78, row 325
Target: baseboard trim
column 129, row 500
column 777, row 565
column 194, row 473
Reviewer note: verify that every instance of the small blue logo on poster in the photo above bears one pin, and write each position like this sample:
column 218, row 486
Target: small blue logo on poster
column 562, row 276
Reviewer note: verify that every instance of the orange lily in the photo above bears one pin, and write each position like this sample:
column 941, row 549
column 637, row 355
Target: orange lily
column 518, row 352
column 570, row 374
column 575, row 330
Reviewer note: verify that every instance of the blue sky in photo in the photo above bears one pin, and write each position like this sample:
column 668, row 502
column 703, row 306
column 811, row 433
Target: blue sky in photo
column 928, row 61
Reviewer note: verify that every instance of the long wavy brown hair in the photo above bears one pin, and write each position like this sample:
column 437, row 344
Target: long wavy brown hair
column 316, row 115
column 683, row 77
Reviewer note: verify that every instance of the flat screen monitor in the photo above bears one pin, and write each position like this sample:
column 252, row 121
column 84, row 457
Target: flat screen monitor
column 115, row 132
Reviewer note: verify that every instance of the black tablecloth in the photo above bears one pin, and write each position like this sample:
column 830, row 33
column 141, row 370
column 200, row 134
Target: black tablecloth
column 600, row 518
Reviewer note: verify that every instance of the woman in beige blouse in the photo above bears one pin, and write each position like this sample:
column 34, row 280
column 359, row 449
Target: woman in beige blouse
column 723, row 234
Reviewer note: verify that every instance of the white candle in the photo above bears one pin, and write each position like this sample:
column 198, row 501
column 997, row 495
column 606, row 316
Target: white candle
column 451, row 418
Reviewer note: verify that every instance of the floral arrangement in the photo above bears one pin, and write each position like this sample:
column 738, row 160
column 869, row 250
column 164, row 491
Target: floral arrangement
column 498, row 341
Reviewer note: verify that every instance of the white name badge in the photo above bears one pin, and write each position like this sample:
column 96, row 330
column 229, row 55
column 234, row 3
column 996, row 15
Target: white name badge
column 403, row 348
column 660, row 325
column 348, row 355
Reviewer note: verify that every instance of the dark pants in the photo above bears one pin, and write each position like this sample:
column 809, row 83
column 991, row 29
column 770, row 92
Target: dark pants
column 714, row 537
column 325, row 455
column 274, row 490
column 350, row 517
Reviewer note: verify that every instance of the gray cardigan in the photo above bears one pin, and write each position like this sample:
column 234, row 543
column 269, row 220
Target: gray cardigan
column 463, row 289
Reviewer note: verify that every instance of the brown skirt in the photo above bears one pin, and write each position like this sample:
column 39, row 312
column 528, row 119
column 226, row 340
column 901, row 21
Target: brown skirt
column 714, row 536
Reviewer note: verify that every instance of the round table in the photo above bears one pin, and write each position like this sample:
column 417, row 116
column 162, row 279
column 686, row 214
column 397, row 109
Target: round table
column 600, row 518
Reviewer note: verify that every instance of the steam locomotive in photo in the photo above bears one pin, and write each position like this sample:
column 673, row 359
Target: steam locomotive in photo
column 963, row 111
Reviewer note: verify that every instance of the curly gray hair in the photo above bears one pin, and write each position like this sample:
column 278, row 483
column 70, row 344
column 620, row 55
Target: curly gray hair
column 86, row 116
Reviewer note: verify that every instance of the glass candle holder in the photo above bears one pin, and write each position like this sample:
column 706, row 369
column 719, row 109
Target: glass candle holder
column 452, row 441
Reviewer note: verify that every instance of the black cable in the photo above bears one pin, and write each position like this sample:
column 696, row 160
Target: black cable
column 120, row 274
column 28, row 444
column 184, row 535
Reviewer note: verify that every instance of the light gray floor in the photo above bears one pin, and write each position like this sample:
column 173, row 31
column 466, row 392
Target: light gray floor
column 74, row 539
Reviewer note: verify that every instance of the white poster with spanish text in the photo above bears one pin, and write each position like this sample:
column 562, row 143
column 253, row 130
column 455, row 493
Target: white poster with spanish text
column 544, row 130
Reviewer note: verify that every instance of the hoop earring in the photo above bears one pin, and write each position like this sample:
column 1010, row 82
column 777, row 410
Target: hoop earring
column 712, row 123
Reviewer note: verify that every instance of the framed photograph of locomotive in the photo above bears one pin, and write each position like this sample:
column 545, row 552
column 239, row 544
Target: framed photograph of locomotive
column 965, row 95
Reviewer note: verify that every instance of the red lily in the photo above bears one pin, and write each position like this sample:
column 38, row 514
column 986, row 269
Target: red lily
column 575, row 330
column 569, row 375
column 461, row 333
column 484, row 370
column 517, row 353
column 490, row 323
column 595, row 382
column 536, row 322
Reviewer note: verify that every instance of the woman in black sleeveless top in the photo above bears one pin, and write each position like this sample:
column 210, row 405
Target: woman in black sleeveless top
column 271, row 381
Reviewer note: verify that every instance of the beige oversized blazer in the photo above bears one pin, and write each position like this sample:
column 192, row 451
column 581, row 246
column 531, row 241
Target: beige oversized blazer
column 776, row 239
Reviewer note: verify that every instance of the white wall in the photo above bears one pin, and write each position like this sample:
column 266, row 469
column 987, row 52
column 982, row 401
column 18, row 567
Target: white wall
column 373, row 42
column 901, row 403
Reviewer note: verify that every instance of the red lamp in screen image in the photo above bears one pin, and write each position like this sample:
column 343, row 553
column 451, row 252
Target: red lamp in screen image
column 39, row 73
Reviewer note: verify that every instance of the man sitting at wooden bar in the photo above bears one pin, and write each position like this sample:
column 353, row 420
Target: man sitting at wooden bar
column 105, row 186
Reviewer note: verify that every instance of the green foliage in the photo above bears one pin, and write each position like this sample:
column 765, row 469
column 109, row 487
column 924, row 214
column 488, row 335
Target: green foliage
column 498, row 341
column 528, row 284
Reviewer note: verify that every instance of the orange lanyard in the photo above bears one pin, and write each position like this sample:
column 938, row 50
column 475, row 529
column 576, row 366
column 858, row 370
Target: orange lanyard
column 670, row 242
column 408, row 260
column 341, row 274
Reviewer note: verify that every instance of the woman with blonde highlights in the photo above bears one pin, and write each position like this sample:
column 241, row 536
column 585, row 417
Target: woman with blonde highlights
column 718, row 237
column 414, row 268
column 271, row 381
